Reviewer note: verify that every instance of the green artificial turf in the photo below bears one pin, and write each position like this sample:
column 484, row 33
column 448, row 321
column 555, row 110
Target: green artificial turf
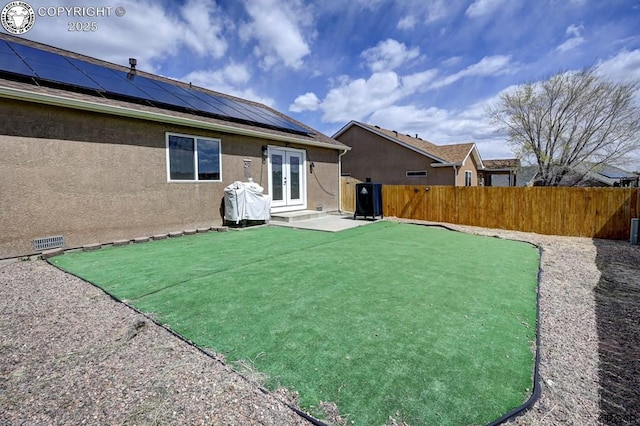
column 421, row 324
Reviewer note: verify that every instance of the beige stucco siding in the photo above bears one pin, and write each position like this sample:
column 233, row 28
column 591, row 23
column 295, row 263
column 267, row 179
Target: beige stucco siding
column 98, row 178
column 387, row 162
column 468, row 165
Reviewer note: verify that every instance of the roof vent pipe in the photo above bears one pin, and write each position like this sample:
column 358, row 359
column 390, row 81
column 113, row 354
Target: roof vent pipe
column 132, row 71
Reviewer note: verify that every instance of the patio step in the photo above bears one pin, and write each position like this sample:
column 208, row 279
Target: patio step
column 297, row 215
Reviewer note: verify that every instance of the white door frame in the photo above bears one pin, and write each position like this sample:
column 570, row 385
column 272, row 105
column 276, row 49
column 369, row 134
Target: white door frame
column 287, row 203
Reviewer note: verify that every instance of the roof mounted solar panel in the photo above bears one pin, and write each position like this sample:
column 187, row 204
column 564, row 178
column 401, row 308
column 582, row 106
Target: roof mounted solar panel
column 53, row 67
column 186, row 97
column 69, row 75
column 112, row 81
column 258, row 118
column 4, row 47
column 157, row 93
column 192, row 98
column 31, row 54
column 269, row 118
column 10, row 62
column 90, row 68
column 272, row 117
column 221, row 104
column 285, row 123
column 49, row 68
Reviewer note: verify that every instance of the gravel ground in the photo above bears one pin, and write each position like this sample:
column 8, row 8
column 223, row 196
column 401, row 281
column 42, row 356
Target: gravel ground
column 69, row 354
column 72, row 355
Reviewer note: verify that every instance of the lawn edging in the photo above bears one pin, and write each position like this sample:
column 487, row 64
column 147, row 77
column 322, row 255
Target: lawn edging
column 203, row 351
column 537, row 391
column 531, row 398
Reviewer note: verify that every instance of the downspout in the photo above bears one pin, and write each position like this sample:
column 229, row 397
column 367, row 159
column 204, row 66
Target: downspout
column 455, row 175
column 340, row 179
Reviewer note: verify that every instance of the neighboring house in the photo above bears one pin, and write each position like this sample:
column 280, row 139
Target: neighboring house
column 392, row 158
column 610, row 176
column 96, row 152
column 603, row 175
column 500, row 172
column 527, row 175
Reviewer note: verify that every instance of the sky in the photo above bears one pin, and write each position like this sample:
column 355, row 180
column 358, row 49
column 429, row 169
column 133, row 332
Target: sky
column 427, row 67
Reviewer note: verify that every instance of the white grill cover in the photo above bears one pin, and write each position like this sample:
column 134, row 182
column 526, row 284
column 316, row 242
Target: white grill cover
column 245, row 200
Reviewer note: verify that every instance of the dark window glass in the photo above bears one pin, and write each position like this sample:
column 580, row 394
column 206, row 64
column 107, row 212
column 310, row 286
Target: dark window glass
column 181, row 158
column 208, row 159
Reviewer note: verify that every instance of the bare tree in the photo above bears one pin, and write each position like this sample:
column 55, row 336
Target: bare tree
column 570, row 124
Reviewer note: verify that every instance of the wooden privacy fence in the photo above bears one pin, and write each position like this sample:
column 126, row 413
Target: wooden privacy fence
column 348, row 193
column 586, row 212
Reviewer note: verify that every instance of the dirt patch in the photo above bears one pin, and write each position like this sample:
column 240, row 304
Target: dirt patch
column 618, row 313
column 69, row 354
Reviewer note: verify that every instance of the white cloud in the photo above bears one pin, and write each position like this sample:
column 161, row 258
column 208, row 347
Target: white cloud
column 355, row 99
column 437, row 9
column 407, row 23
column 409, row 119
column 487, row 66
column 388, row 55
column 625, row 66
column 480, row 8
column 452, row 61
column 197, row 26
column 427, row 12
column 307, row 102
column 204, row 28
column 570, row 44
column 360, row 98
column 368, row 4
column 574, row 30
column 575, row 40
column 278, row 27
column 418, row 82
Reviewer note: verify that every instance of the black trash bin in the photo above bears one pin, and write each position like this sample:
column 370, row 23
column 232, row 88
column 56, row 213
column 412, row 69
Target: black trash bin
column 368, row 200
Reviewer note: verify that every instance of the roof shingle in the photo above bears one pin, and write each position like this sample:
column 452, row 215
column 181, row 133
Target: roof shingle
column 454, row 153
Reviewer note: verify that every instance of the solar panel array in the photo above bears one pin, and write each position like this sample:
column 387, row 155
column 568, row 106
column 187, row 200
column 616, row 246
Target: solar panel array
column 48, row 67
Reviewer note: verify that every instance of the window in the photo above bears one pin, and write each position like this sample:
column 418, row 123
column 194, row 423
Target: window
column 467, row 178
column 416, row 173
column 192, row 158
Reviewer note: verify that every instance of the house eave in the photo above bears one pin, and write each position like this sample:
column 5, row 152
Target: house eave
column 51, row 99
column 446, row 164
column 489, row 169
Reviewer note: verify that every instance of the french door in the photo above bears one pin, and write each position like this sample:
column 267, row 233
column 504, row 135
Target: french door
column 287, row 183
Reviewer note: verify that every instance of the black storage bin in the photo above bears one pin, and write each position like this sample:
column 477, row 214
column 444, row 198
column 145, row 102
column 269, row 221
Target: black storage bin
column 368, row 200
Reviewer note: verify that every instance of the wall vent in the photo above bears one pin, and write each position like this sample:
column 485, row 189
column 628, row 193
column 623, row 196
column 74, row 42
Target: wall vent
column 46, row 243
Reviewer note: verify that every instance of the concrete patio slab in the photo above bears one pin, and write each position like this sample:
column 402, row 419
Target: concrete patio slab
column 330, row 222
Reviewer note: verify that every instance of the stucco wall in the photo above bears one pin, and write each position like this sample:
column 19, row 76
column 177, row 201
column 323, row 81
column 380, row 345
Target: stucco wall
column 98, row 178
column 387, row 162
column 469, row 165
